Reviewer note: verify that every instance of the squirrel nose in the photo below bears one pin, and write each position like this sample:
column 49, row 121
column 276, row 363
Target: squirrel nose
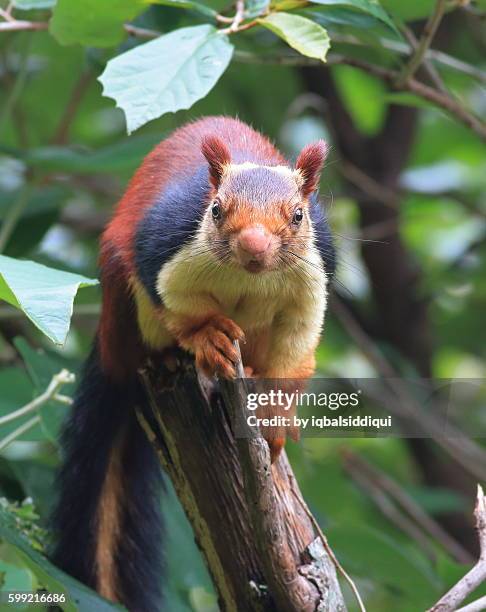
column 254, row 242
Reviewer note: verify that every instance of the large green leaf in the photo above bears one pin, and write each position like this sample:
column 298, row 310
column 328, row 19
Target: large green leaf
column 79, row 598
column 166, row 74
column 302, row 34
column 93, row 22
column 44, row 294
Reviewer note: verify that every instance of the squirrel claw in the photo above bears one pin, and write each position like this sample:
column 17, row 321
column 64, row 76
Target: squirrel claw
column 214, row 349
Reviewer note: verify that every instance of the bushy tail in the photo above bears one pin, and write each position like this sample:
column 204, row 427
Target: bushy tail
column 107, row 521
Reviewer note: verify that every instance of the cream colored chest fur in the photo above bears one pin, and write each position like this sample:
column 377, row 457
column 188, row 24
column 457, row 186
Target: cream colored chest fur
column 268, row 306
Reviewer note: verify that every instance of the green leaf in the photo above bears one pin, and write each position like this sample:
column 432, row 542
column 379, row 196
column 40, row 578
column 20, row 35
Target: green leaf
column 371, row 7
column 190, row 5
column 93, row 22
column 166, row 74
column 44, row 294
column 27, row 5
column 79, row 598
column 307, row 37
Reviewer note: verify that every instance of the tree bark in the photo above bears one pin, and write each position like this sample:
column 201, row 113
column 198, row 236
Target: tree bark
column 249, row 518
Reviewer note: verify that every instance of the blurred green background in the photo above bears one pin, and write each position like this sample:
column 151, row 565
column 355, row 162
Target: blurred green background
column 404, row 188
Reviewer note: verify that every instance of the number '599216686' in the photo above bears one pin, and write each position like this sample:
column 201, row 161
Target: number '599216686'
column 24, row 597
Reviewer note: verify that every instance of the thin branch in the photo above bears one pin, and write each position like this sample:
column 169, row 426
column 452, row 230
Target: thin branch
column 389, row 509
column 6, row 15
column 293, row 59
column 476, row 576
column 58, row 380
column 141, row 32
column 447, row 103
column 476, row 606
column 20, row 25
column 372, row 188
column 429, row 67
column 239, row 16
column 424, row 43
column 432, row 55
column 18, row 432
column 364, row 342
column 392, row 45
column 384, row 482
column 399, row 401
column 79, row 90
column 439, row 99
column 392, row 77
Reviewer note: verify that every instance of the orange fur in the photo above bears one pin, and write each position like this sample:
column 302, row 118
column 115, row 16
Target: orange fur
column 211, row 343
column 276, row 445
column 108, row 528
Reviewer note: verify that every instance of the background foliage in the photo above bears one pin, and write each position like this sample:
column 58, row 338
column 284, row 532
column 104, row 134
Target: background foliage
column 404, row 190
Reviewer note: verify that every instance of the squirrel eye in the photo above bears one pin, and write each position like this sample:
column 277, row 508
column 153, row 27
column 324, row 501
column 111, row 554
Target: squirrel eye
column 216, row 211
column 298, row 216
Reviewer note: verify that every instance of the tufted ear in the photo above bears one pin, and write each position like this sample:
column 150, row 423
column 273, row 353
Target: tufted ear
column 217, row 155
column 309, row 164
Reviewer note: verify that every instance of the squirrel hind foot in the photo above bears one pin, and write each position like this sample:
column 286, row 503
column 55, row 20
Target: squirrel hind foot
column 276, row 445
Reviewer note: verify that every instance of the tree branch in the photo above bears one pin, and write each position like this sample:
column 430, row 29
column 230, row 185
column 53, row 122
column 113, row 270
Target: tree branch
column 17, row 25
column 58, row 381
column 392, row 77
column 259, row 545
column 434, row 76
column 446, row 102
column 477, row 575
column 476, row 606
column 424, row 43
column 439, row 99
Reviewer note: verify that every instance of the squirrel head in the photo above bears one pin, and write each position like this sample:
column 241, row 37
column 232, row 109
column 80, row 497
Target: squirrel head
column 258, row 216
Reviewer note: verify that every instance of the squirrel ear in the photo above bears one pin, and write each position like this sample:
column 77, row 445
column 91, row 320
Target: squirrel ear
column 309, row 164
column 218, row 156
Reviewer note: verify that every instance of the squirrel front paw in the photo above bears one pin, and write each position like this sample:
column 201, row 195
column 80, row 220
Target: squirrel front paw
column 214, row 349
